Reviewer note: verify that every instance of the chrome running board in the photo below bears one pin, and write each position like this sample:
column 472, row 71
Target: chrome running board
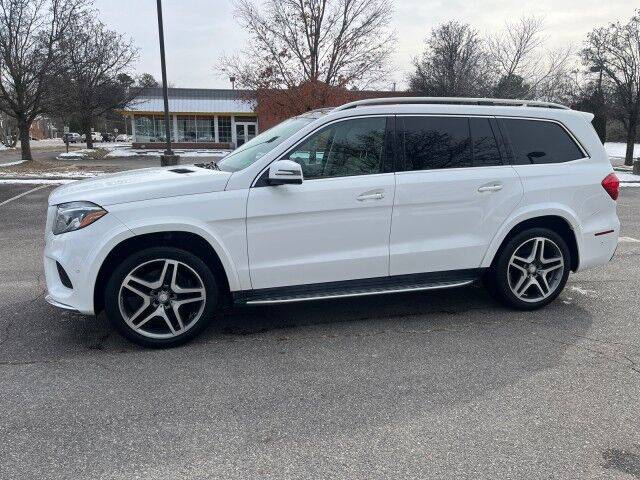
column 358, row 288
column 329, row 296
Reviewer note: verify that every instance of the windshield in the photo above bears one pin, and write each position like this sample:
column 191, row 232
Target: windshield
column 262, row 144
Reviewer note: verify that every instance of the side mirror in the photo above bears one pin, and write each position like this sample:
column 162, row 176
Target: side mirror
column 282, row 172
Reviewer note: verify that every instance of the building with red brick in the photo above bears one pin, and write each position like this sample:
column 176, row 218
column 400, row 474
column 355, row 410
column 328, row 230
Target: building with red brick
column 221, row 118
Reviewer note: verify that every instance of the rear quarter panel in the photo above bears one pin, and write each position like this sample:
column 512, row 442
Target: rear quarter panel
column 573, row 191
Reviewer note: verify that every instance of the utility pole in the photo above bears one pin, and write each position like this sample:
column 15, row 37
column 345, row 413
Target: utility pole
column 169, row 158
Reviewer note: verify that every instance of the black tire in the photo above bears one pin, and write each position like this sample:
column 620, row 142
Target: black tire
column 497, row 278
column 150, row 257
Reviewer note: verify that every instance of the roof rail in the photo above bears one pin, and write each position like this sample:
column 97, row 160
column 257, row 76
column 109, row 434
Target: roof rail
column 450, row 101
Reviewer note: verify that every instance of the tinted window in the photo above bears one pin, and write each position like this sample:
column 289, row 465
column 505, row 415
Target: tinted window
column 436, row 142
column 352, row 147
column 485, row 148
column 535, row 141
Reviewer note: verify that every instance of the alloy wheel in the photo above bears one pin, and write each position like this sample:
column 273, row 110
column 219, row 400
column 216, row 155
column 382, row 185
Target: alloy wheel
column 162, row 298
column 535, row 269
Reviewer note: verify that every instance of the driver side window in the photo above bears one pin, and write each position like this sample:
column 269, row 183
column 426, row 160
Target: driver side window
column 343, row 149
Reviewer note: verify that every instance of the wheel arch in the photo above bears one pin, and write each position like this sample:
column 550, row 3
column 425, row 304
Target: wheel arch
column 190, row 241
column 558, row 222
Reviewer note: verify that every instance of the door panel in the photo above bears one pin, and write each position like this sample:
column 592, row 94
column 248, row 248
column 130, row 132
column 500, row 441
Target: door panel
column 334, row 226
column 453, row 196
column 320, row 231
column 445, row 219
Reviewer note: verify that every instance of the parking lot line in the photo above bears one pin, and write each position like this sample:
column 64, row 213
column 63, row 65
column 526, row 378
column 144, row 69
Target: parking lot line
column 23, row 194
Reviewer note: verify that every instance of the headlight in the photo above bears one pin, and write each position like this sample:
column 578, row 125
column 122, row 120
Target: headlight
column 76, row 215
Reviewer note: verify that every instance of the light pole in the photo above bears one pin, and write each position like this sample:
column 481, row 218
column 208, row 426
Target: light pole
column 169, row 158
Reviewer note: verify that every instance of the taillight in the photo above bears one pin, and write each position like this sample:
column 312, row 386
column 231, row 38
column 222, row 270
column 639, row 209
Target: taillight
column 612, row 185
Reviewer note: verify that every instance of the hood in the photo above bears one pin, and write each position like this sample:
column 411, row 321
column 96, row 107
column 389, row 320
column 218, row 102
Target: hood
column 142, row 184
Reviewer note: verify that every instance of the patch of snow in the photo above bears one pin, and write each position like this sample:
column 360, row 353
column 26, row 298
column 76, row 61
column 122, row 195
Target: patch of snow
column 72, row 173
column 120, row 153
column 627, row 177
column 35, row 181
column 187, row 153
column 11, row 164
column 628, row 240
column 112, row 146
column 619, row 149
column 77, row 153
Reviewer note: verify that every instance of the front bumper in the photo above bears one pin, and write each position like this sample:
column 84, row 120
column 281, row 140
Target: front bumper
column 50, row 300
column 80, row 254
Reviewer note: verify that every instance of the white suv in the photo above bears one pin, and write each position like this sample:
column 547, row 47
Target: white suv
column 376, row 196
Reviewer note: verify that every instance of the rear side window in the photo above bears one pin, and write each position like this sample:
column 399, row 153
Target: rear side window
column 485, row 148
column 449, row 142
column 436, row 142
column 536, row 142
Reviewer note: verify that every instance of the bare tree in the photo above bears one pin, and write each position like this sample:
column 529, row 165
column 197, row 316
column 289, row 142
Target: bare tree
column 146, row 80
column 524, row 69
column 454, row 63
column 30, row 32
column 96, row 79
column 337, row 42
column 615, row 49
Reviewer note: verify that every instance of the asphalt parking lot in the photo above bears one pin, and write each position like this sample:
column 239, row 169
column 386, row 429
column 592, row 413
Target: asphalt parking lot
column 441, row 385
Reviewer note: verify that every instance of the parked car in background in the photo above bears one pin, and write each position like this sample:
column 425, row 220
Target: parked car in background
column 95, row 137
column 123, row 137
column 107, row 137
column 71, row 137
column 377, row 196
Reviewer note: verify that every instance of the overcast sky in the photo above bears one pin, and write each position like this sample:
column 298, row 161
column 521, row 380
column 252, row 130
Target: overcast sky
column 197, row 32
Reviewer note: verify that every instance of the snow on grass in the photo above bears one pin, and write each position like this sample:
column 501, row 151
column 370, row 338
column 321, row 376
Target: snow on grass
column 619, row 149
column 112, row 146
column 121, row 153
column 78, row 153
column 127, row 151
column 627, row 177
column 48, row 174
column 35, row 181
column 11, row 164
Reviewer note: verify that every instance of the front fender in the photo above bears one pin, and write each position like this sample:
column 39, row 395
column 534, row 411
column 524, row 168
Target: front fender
column 198, row 228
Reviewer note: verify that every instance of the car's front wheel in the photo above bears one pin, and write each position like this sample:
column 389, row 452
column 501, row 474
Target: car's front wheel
column 161, row 297
column 531, row 270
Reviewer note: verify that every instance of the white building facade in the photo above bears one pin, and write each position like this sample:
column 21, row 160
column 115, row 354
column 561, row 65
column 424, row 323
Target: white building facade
column 199, row 118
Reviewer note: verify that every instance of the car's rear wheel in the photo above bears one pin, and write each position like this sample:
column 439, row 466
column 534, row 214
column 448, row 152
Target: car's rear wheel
column 531, row 270
column 161, row 297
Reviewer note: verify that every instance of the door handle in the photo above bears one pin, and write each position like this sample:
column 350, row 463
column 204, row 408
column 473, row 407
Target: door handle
column 371, row 196
column 490, row 188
